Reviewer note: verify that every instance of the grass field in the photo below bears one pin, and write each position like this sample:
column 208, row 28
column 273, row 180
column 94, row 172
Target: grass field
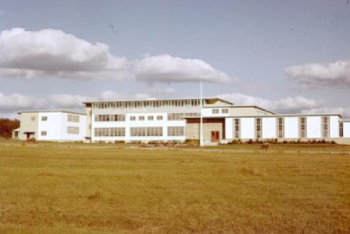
column 79, row 188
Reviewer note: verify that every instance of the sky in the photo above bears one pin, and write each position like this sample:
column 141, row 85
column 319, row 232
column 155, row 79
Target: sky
column 286, row 56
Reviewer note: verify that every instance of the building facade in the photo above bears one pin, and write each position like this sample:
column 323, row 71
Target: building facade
column 179, row 120
column 52, row 125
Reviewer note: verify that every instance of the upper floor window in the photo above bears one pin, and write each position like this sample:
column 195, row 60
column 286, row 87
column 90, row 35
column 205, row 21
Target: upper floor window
column 141, row 118
column 73, row 118
column 132, row 118
column 224, row 111
column 44, row 118
column 150, row 118
column 215, row 111
column 32, row 118
column 159, row 117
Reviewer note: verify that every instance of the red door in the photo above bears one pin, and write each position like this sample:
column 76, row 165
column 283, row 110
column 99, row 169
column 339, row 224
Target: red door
column 215, row 136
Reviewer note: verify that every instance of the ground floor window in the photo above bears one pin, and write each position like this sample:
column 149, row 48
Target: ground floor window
column 73, row 130
column 146, row 131
column 176, row 131
column 109, row 132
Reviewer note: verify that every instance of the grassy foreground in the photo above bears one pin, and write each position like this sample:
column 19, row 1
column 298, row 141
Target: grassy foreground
column 87, row 189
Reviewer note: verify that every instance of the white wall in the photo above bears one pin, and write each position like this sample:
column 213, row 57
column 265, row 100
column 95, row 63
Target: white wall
column 269, row 128
column 346, row 129
column 56, row 127
column 53, row 126
column 291, row 127
column 334, row 127
column 247, row 128
column 314, row 127
column 229, row 128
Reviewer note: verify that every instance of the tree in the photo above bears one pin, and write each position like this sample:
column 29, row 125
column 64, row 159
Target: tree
column 7, row 126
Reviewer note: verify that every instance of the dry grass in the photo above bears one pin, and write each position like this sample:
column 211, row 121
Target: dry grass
column 83, row 189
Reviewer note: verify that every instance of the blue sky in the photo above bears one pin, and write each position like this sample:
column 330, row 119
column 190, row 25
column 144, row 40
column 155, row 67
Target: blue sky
column 289, row 56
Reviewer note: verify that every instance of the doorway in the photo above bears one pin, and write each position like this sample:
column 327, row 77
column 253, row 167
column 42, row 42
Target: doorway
column 215, row 136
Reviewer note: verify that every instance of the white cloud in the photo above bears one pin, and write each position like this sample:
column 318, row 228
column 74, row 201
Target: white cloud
column 334, row 110
column 335, row 74
column 289, row 104
column 168, row 69
column 15, row 102
column 52, row 53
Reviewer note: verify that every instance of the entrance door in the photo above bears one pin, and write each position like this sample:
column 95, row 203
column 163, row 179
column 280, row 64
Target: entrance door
column 215, row 136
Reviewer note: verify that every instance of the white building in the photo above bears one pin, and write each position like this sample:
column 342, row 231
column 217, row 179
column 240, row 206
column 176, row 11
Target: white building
column 179, row 119
column 52, row 125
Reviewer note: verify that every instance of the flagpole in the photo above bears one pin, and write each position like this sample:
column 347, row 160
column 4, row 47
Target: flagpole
column 201, row 143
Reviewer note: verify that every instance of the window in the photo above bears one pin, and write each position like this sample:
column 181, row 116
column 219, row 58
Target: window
column 176, row 131
column 109, row 132
column 32, row 118
column 72, row 130
column 154, row 131
column 237, row 128
column 341, row 129
column 280, row 128
column 258, row 128
column 224, row 111
column 179, row 116
column 150, row 118
column 132, row 118
column 44, row 133
column 302, row 127
column 109, row 118
column 215, row 111
column 141, row 118
column 73, row 118
column 146, row 131
column 159, row 117
column 44, row 118
column 138, row 131
column 325, row 127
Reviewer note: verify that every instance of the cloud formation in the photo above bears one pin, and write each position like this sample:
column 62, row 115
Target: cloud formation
column 167, row 69
column 52, row 53
column 335, row 74
column 289, row 104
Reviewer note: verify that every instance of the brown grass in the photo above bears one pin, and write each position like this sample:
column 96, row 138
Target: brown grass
column 77, row 188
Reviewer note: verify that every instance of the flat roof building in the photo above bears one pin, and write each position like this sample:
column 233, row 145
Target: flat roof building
column 179, row 120
column 52, row 125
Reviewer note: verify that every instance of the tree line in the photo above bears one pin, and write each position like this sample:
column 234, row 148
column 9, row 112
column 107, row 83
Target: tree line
column 7, row 126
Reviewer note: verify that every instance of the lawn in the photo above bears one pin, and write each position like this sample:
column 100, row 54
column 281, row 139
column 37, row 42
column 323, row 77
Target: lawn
column 80, row 189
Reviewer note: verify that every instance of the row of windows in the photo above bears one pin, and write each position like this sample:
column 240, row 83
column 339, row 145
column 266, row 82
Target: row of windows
column 179, row 116
column 217, row 111
column 138, row 131
column 120, row 117
column 70, row 130
column 109, row 118
column 70, row 118
column 146, row 131
column 149, row 118
column 147, row 104
column 109, row 132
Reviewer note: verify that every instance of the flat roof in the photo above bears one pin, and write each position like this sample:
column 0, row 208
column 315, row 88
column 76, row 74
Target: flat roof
column 266, row 116
column 58, row 111
column 166, row 99
column 241, row 106
column 344, row 120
